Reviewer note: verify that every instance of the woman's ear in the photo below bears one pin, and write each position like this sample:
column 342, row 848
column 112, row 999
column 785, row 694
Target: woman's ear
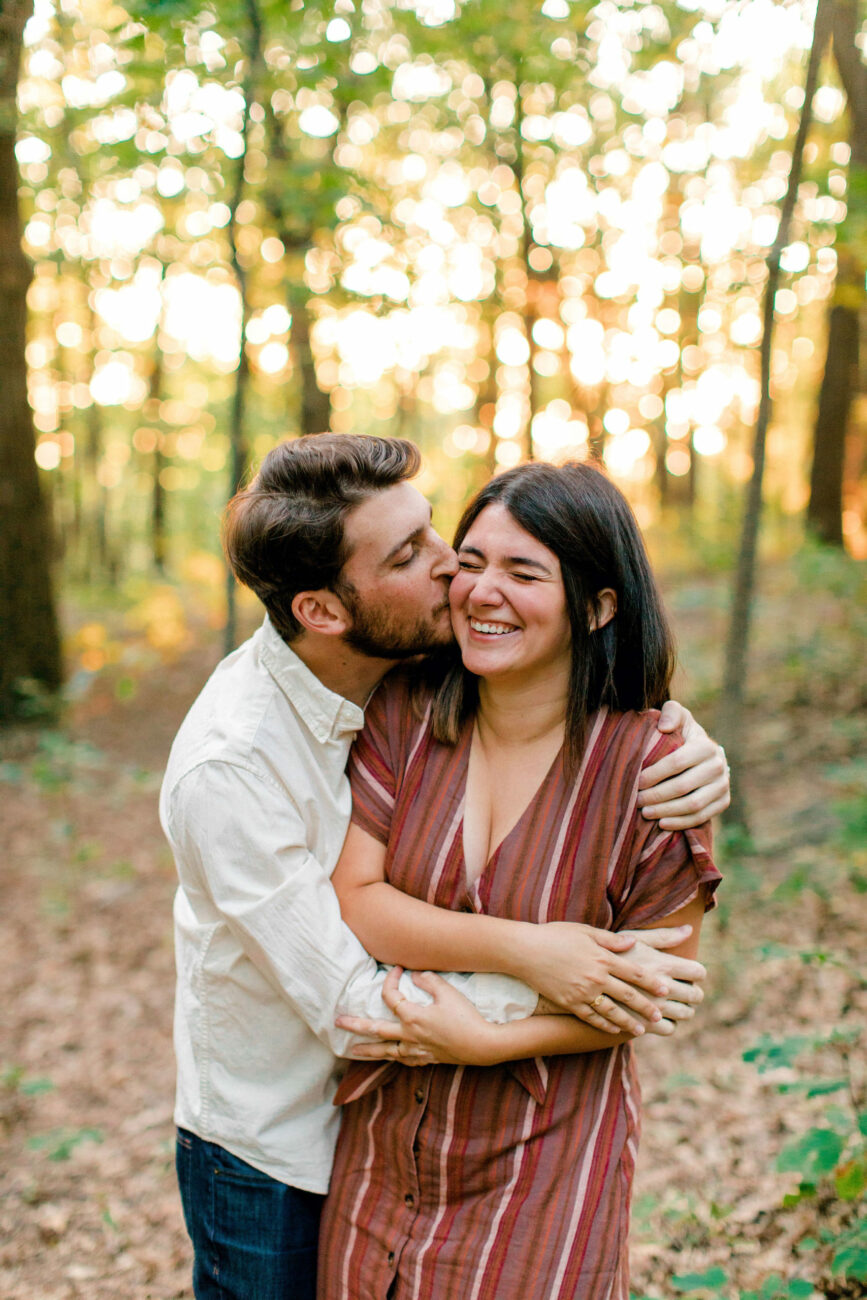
column 606, row 608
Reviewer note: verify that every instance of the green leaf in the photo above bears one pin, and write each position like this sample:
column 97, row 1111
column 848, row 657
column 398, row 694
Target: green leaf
column 713, row 1278
column 770, row 1053
column 60, row 1143
column 851, row 1180
column 851, row 1262
column 813, row 1154
column 33, row 1087
column 800, row 1288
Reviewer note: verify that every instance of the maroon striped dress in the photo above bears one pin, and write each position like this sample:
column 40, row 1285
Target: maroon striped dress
column 509, row 1182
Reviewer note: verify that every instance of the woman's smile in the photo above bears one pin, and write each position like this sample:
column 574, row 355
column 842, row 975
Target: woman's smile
column 488, row 628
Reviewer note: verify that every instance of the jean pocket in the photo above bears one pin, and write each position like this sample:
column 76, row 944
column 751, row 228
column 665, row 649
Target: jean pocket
column 231, row 1169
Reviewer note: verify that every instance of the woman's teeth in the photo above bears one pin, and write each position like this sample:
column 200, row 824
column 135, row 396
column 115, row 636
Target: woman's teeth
column 492, row 629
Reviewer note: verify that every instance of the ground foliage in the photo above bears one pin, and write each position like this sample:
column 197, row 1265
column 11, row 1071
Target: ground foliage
column 753, row 1165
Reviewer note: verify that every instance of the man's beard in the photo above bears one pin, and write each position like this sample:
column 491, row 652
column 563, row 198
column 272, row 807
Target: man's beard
column 380, row 635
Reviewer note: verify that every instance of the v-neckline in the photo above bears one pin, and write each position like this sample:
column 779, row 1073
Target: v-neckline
column 472, row 884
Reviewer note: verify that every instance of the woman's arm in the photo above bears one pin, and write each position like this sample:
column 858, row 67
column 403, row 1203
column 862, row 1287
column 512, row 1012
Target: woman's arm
column 570, row 964
column 450, row 1030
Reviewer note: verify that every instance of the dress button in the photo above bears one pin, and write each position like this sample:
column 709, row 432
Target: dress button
column 409, row 1200
column 391, row 1257
column 419, row 1095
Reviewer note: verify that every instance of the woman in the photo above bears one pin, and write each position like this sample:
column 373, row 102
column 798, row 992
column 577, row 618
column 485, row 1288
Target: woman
column 512, row 794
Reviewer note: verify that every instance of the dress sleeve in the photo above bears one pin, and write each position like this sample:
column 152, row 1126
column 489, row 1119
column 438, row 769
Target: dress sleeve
column 376, row 759
column 659, row 871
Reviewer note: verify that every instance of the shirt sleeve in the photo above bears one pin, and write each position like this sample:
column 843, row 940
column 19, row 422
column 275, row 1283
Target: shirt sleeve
column 659, row 871
column 278, row 900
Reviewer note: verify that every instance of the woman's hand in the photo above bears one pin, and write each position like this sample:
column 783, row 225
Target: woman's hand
column 448, row 1031
column 581, row 970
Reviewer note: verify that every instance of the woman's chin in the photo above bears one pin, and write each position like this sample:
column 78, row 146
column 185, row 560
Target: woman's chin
column 486, row 663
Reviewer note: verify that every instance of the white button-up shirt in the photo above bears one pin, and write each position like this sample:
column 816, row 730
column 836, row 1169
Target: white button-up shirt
column 255, row 804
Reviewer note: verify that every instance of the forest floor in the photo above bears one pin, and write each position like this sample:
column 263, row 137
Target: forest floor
column 88, row 1205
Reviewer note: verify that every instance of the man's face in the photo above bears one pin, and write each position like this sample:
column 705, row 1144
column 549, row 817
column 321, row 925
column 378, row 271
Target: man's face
column 395, row 583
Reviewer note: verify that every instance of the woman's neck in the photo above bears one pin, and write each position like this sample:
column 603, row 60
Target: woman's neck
column 514, row 712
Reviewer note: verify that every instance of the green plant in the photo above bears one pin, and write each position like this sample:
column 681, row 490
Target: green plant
column 61, row 1142
column 831, row 1156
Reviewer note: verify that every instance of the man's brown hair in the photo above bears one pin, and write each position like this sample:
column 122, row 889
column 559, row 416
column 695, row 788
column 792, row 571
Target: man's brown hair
column 285, row 532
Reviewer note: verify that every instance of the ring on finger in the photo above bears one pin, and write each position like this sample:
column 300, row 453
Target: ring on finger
column 402, row 998
column 600, row 997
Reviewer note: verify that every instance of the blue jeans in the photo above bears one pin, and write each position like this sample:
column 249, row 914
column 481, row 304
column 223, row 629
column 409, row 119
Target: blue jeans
column 254, row 1238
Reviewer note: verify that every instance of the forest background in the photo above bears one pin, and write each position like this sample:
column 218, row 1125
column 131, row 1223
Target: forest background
column 635, row 232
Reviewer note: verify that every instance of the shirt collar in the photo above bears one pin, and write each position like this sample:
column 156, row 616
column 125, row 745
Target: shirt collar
column 327, row 714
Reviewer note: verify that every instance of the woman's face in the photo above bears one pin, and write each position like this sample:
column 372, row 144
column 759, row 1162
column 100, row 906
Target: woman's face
column 507, row 600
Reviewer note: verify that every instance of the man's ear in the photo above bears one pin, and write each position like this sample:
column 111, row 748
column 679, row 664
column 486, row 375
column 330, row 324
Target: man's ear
column 321, row 611
column 606, row 608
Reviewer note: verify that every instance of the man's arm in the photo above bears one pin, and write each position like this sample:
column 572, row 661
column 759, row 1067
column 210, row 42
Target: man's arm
column 259, row 875
column 689, row 786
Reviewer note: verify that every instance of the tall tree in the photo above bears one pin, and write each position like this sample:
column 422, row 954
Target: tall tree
column 237, row 430
column 825, row 508
column 731, row 704
column 29, row 637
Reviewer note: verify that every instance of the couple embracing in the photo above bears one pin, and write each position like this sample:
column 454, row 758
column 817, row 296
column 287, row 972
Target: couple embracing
column 515, row 815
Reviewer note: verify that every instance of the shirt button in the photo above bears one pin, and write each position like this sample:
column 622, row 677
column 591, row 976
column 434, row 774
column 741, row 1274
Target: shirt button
column 419, row 1095
column 409, row 1200
column 391, row 1257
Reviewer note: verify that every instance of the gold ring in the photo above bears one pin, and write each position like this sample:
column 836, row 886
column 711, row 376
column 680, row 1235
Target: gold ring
column 397, row 1004
column 595, row 1003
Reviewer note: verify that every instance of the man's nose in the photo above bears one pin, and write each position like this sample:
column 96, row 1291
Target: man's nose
column 446, row 563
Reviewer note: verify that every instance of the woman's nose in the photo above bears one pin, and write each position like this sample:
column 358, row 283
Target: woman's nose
column 485, row 590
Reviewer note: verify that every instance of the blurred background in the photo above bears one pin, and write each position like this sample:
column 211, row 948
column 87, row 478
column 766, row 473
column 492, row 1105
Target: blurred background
column 629, row 231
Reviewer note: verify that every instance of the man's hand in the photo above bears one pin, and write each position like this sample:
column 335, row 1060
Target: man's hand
column 690, row 785
column 685, row 977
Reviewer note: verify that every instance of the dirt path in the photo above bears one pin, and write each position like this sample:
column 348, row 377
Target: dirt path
column 88, row 1206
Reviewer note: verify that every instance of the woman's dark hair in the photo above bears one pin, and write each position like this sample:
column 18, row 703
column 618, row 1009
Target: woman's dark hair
column 581, row 516
column 285, row 532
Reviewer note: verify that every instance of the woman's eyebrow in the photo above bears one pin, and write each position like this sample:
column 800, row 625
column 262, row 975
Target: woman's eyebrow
column 521, row 560
column 527, row 563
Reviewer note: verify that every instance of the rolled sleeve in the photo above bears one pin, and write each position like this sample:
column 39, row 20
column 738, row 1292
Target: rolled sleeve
column 246, row 843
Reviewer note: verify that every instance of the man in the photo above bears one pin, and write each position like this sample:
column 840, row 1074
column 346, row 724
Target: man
column 338, row 544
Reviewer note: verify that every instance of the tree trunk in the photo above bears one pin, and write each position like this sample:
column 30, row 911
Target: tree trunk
column 315, row 404
column 314, row 415
column 530, row 307
column 839, row 380
column 731, row 703
column 825, row 509
column 237, row 433
column 30, row 647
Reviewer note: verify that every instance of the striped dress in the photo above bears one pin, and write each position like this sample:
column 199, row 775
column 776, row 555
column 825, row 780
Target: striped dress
column 509, row 1182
